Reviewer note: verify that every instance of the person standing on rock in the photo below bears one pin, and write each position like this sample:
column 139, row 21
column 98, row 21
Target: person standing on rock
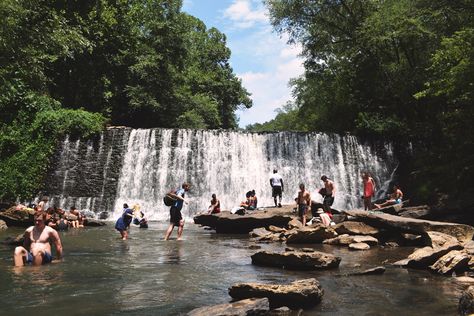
column 176, row 218
column 276, row 182
column 37, row 241
column 328, row 192
column 369, row 190
column 303, row 203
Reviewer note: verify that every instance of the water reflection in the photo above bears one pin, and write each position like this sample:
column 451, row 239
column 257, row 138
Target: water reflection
column 172, row 252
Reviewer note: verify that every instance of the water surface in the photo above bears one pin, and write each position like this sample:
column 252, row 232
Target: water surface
column 102, row 275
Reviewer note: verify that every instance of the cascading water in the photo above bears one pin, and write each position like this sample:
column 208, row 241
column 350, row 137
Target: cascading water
column 141, row 165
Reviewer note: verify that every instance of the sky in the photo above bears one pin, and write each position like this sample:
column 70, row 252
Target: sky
column 260, row 57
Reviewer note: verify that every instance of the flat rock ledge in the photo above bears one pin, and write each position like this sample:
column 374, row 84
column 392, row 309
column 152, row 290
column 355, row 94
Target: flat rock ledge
column 251, row 306
column 227, row 223
column 298, row 294
column 296, row 260
column 462, row 232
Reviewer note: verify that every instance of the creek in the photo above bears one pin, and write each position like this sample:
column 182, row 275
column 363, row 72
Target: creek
column 102, row 275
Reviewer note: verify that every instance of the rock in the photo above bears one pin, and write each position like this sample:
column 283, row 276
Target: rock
column 299, row 294
column 311, row 235
column 412, row 225
column 3, row 225
column 227, row 223
column 466, row 302
column 17, row 218
column 469, row 247
column 251, row 306
column 391, row 244
column 296, row 260
column 436, row 239
column 426, row 256
column 284, row 311
column 345, row 240
column 402, row 263
column 259, row 232
column 372, row 271
column 355, row 228
column 453, row 261
column 465, row 279
column 294, row 223
column 359, row 246
column 366, row 239
column 275, row 229
column 422, row 211
column 14, row 241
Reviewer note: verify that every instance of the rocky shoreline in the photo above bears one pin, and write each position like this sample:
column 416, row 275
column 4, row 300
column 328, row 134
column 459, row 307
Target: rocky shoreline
column 441, row 247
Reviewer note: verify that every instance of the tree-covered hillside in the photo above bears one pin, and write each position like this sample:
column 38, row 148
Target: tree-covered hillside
column 73, row 66
column 402, row 70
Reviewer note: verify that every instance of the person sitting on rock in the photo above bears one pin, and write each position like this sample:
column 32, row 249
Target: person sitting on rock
column 215, row 206
column 395, row 198
column 248, row 202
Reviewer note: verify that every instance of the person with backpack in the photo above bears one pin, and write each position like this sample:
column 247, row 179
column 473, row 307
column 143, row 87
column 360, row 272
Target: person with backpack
column 176, row 218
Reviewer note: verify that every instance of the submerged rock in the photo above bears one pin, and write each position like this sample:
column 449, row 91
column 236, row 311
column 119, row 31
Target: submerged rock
column 372, row 271
column 299, row 294
column 296, row 260
column 3, row 225
column 251, row 306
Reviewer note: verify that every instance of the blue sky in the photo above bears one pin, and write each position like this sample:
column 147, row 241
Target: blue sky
column 260, row 57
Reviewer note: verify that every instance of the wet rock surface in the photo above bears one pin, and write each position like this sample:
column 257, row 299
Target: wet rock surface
column 298, row 294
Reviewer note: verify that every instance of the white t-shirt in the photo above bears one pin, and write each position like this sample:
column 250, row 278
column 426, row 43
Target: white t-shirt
column 276, row 180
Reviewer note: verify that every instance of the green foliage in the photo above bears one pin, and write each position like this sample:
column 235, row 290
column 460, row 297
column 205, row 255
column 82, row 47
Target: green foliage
column 398, row 69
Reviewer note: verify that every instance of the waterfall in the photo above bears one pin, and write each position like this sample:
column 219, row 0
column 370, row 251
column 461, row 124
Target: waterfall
column 141, row 165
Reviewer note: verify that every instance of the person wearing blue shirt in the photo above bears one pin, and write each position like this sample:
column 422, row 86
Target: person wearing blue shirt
column 176, row 218
column 123, row 223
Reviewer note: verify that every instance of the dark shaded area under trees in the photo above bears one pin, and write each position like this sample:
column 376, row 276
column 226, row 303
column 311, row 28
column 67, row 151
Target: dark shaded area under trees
column 401, row 70
column 70, row 67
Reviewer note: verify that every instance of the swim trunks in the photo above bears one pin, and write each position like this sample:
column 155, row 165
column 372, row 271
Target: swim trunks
column 47, row 258
column 302, row 208
column 175, row 215
column 276, row 191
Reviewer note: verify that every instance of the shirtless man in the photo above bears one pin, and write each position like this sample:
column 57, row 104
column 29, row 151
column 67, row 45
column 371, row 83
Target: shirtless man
column 42, row 204
column 395, row 198
column 329, row 193
column 303, row 202
column 37, row 240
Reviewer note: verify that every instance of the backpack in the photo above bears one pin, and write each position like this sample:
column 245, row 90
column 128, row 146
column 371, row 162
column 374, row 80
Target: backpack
column 168, row 199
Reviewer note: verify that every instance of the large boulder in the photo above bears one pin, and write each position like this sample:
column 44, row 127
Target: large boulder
column 466, row 302
column 438, row 245
column 355, row 228
column 453, row 261
column 311, row 235
column 412, row 225
column 91, row 222
column 228, row 223
column 250, row 306
column 18, row 218
column 296, row 260
column 299, row 294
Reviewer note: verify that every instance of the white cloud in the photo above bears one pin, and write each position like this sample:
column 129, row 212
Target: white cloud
column 245, row 13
